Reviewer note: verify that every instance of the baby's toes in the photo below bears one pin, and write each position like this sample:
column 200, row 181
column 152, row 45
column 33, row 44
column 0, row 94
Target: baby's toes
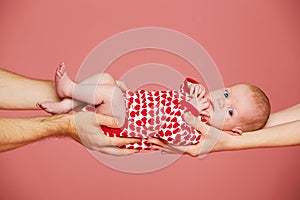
column 61, row 70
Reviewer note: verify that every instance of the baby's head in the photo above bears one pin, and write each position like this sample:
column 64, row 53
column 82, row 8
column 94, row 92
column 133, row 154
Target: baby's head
column 246, row 108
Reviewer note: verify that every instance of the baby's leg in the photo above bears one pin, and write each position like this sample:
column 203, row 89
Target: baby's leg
column 100, row 89
column 100, row 78
column 65, row 86
column 108, row 98
column 64, row 106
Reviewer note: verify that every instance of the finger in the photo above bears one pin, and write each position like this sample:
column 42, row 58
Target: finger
column 204, row 106
column 190, row 119
column 192, row 89
column 117, row 151
column 202, row 103
column 159, row 144
column 107, row 120
column 118, row 141
column 202, row 92
column 156, row 141
column 195, row 122
column 174, row 149
column 156, row 147
column 197, row 90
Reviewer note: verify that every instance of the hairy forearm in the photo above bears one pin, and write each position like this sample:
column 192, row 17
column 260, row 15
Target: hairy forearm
column 16, row 132
column 287, row 134
column 18, row 92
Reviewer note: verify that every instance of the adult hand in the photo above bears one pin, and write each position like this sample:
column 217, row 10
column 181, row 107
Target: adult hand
column 85, row 128
column 212, row 139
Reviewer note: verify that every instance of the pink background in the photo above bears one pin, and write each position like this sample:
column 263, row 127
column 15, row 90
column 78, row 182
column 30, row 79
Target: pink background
column 254, row 41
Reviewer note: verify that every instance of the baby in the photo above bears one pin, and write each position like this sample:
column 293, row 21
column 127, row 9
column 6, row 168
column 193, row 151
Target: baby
column 241, row 107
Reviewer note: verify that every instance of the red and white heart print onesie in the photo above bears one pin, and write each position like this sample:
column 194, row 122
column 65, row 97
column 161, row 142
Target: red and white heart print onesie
column 157, row 114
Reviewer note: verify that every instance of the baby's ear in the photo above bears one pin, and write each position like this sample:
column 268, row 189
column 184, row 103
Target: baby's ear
column 235, row 131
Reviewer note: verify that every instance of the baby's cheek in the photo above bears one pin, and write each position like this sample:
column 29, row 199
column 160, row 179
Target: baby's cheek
column 219, row 121
column 230, row 123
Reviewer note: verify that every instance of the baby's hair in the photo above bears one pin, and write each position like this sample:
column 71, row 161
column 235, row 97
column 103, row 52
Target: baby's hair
column 263, row 108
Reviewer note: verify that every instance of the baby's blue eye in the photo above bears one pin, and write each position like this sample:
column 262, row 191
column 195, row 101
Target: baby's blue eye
column 226, row 94
column 230, row 111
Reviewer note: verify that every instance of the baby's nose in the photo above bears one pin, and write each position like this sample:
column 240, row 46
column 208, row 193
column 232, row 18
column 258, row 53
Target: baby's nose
column 221, row 102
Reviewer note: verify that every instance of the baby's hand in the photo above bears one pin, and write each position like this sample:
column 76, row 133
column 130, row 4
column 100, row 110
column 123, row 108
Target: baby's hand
column 202, row 105
column 197, row 90
column 198, row 100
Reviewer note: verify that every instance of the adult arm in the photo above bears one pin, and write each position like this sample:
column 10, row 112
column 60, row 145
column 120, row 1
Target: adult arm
column 283, row 129
column 287, row 134
column 284, row 116
column 17, row 132
column 19, row 92
column 82, row 127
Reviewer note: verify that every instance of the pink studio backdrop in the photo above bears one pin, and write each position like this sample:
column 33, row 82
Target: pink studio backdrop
column 253, row 41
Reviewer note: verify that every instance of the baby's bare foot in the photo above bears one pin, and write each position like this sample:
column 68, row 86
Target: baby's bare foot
column 65, row 106
column 64, row 85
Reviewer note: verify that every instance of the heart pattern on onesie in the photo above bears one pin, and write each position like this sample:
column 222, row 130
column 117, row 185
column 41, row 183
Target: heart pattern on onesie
column 156, row 114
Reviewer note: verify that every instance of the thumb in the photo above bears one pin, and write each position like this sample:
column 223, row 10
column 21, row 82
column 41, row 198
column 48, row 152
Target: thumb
column 107, row 121
column 195, row 123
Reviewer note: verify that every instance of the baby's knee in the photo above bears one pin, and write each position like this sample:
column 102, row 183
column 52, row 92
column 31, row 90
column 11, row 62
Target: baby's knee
column 106, row 78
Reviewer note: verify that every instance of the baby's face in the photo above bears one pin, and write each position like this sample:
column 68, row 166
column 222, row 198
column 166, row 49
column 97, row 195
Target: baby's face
column 229, row 108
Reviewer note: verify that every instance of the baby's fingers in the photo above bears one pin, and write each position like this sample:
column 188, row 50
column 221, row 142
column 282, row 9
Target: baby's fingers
column 202, row 104
column 202, row 92
column 192, row 89
column 199, row 91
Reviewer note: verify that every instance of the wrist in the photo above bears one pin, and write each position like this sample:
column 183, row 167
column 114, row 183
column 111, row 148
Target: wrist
column 225, row 142
column 68, row 126
column 60, row 125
